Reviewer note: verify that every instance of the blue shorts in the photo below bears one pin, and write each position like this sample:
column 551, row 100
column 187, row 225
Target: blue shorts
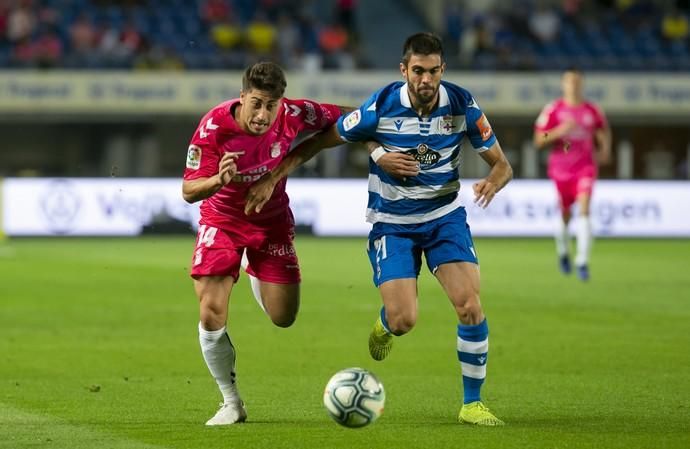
column 395, row 250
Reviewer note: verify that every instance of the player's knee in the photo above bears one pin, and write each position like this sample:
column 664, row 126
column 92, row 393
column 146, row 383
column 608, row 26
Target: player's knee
column 469, row 310
column 402, row 323
column 284, row 320
column 211, row 320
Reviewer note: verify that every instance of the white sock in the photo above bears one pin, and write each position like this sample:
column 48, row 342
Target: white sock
column 219, row 354
column 254, row 282
column 562, row 239
column 584, row 240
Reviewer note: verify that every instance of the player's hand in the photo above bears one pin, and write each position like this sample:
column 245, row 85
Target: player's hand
column 484, row 192
column 227, row 167
column 399, row 165
column 258, row 194
column 603, row 158
column 564, row 128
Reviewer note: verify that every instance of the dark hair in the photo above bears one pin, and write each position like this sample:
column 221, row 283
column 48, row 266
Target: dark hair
column 422, row 44
column 265, row 76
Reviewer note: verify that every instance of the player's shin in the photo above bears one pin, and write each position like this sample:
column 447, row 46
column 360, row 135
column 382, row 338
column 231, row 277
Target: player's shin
column 219, row 354
column 584, row 240
column 473, row 348
column 562, row 239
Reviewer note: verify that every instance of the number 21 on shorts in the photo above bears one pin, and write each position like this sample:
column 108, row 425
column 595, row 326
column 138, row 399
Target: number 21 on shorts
column 381, row 253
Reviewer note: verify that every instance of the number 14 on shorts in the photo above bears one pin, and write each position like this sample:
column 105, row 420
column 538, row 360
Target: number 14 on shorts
column 205, row 237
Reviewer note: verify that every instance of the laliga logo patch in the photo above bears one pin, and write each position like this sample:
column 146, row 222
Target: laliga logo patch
column 424, row 155
column 352, row 120
column 193, row 157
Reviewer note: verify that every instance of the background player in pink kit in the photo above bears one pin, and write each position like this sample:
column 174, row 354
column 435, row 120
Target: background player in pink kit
column 578, row 134
column 236, row 143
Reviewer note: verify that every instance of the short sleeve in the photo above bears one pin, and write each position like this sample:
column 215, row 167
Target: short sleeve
column 478, row 128
column 202, row 152
column 546, row 119
column 360, row 124
column 599, row 117
column 313, row 116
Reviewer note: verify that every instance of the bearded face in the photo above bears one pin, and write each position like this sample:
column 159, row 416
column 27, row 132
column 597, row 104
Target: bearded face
column 423, row 75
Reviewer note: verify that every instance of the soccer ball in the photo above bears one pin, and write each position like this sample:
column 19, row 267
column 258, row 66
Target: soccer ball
column 354, row 397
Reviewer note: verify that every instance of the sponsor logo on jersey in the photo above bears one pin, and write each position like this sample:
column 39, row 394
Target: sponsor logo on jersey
column 326, row 116
column 294, row 110
column 484, row 127
column 206, row 127
column 193, row 157
column 398, row 124
column 251, row 175
column 280, row 249
column 275, row 150
column 311, row 113
column 424, row 155
column 352, row 119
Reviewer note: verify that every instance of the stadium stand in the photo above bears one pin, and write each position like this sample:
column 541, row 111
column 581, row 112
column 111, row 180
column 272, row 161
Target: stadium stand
column 642, row 43
column 627, row 35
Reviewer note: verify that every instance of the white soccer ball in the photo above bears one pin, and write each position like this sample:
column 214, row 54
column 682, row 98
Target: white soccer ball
column 354, row 397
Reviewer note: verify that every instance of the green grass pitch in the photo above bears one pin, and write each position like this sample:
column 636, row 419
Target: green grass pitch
column 99, row 349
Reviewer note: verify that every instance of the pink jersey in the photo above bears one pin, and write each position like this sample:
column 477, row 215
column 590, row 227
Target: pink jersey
column 573, row 155
column 218, row 132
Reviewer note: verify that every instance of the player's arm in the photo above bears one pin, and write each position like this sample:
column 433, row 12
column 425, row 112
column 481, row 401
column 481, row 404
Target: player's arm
column 260, row 192
column 545, row 138
column 547, row 129
column 201, row 188
column 344, row 110
column 399, row 165
column 500, row 174
column 602, row 140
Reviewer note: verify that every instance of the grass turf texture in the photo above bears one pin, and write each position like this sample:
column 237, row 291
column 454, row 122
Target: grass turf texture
column 98, row 348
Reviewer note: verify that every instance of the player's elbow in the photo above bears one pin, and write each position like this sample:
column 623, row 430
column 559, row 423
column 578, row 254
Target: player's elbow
column 509, row 171
column 189, row 196
column 538, row 143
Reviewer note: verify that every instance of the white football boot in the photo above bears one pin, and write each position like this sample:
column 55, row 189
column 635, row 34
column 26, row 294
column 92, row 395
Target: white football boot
column 229, row 413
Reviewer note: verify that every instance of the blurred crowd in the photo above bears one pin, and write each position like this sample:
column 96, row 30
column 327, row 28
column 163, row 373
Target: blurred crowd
column 176, row 34
column 313, row 35
column 594, row 35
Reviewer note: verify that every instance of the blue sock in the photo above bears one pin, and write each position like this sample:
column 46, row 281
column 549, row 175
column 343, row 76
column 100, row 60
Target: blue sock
column 473, row 349
column 384, row 321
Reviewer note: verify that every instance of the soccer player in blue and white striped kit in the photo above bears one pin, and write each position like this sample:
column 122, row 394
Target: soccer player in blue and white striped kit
column 414, row 203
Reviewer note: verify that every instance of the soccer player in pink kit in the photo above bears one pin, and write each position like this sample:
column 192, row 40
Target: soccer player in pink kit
column 236, row 143
column 578, row 134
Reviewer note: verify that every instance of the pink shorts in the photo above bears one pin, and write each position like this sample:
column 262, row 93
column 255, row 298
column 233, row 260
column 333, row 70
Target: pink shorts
column 269, row 248
column 570, row 189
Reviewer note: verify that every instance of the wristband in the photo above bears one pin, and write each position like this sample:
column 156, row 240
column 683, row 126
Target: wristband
column 377, row 153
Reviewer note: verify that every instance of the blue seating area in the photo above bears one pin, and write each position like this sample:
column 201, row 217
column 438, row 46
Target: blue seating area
column 648, row 36
column 167, row 34
column 102, row 34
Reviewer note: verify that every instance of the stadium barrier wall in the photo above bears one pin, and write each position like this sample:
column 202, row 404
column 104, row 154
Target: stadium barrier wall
column 328, row 207
column 645, row 96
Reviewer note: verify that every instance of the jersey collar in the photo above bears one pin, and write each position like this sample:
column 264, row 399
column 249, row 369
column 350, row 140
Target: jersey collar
column 407, row 103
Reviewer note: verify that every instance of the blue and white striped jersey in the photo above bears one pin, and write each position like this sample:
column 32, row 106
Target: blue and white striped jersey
column 435, row 141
